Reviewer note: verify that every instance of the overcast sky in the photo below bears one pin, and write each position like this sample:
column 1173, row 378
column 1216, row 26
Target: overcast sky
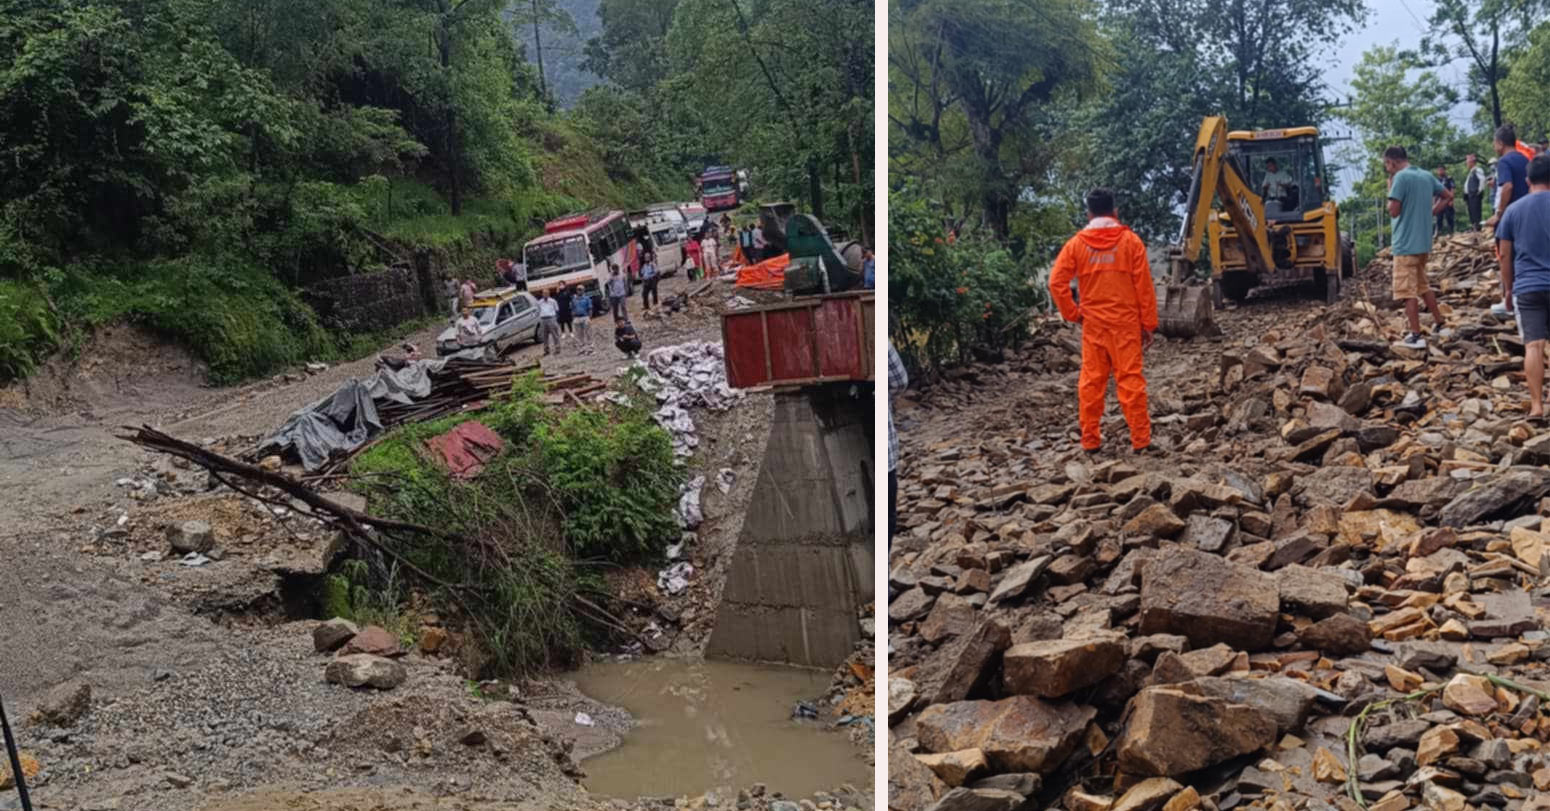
column 1389, row 22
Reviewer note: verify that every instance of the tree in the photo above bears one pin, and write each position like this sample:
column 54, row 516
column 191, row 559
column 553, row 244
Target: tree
column 1482, row 34
column 1257, row 62
column 1526, row 90
column 1397, row 101
column 632, row 50
column 540, row 14
column 996, row 62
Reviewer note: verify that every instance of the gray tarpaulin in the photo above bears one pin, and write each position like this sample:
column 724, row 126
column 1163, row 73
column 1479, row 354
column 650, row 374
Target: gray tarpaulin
column 346, row 419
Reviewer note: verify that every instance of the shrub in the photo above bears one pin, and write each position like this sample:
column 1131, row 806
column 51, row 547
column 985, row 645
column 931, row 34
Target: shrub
column 951, row 298
column 28, row 328
column 589, row 482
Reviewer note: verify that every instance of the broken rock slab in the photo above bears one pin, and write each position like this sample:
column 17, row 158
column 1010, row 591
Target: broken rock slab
column 1172, row 732
column 962, row 665
column 1017, row 734
column 63, row 705
column 956, row 768
column 1506, row 495
column 1209, row 600
column 1058, row 667
column 1318, row 594
column 979, row 799
column 1287, row 701
column 331, row 635
column 1019, row 579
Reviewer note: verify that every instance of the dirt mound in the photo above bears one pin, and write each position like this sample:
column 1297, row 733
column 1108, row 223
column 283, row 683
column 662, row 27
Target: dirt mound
column 120, row 365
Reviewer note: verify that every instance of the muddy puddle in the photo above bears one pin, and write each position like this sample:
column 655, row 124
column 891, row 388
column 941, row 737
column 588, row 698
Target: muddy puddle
column 701, row 725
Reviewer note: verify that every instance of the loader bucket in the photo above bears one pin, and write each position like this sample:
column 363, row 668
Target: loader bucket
column 1185, row 311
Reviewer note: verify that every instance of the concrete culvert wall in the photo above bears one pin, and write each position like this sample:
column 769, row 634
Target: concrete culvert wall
column 803, row 565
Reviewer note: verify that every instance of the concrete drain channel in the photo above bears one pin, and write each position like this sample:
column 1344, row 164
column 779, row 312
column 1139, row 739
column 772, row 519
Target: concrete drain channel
column 703, row 725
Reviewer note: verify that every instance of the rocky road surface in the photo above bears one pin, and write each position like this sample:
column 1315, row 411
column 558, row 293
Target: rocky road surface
column 1334, row 531
column 152, row 685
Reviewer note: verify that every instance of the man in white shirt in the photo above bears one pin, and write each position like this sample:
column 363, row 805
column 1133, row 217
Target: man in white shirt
column 549, row 322
column 1274, row 185
column 468, row 331
column 1475, row 182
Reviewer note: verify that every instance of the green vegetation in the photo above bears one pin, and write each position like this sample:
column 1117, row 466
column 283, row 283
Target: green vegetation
column 953, row 298
column 594, row 485
column 192, row 165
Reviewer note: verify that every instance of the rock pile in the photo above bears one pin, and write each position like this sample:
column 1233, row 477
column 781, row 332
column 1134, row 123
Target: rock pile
column 366, row 657
column 1336, row 523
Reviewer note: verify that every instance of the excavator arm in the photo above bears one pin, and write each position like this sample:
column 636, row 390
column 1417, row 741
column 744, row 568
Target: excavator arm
column 1216, row 177
column 1186, row 309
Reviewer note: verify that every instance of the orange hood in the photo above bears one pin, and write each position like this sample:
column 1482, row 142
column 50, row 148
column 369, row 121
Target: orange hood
column 1102, row 233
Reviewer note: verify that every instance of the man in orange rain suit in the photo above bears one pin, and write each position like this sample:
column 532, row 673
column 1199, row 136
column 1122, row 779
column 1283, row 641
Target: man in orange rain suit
column 1118, row 315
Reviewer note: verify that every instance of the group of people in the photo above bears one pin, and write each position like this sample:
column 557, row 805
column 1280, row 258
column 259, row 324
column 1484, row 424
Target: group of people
column 1478, row 180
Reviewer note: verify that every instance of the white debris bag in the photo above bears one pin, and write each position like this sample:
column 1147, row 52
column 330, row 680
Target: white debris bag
column 685, row 376
column 725, row 479
column 582, row 719
column 689, row 513
column 675, row 578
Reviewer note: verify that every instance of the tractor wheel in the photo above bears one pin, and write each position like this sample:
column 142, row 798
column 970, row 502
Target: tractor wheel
column 1347, row 259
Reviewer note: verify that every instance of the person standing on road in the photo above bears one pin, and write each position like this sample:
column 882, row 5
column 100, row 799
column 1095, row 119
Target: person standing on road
column 466, row 293
column 468, row 331
column 562, row 305
column 549, row 322
column 1118, row 314
column 1474, row 190
column 868, row 269
column 693, row 249
column 759, row 244
column 1523, row 238
column 581, row 309
column 449, row 287
column 618, row 291
column 898, row 381
column 711, row 250
column 1415, row 197
column 648, row 286
column 745, row 244
column 1446, row 215
column 1511, row 172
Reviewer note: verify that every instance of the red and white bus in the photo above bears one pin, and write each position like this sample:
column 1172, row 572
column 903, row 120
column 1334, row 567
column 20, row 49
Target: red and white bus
column 577, row 249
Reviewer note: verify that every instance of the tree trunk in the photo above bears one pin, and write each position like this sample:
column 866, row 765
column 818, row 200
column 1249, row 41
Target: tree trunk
column 815, row 187
column 993, row 194
column 453, row 158
column 538, row 49
column 1496, row 98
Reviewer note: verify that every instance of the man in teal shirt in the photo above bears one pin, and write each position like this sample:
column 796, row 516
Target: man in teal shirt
column 1415, row 197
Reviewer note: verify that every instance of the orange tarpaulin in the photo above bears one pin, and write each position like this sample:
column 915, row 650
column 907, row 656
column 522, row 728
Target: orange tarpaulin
column 767, row 275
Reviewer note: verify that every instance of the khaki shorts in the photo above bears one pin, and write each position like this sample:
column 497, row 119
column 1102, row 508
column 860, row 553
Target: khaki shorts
column 1410, row 276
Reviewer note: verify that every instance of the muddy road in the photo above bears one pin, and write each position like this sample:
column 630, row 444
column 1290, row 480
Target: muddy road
column 206, row 692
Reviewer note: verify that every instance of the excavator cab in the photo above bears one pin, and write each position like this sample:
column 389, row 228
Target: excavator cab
column 1260, row 198
column 1286, row 173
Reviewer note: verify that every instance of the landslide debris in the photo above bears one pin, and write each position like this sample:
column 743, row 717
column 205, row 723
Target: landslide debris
column 1328, row 591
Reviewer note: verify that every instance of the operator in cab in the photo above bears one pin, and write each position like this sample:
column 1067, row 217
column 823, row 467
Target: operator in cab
column 1275, row 184
column 1118, row 314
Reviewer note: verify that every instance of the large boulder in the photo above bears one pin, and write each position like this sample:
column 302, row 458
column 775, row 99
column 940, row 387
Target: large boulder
column 1172, row 732
column 190, row 536
column 1058, row 667
column 366, row 670
column 1208, row 599
column 962, row 665
column 1287, row 701
column 1017, row 734
column 375, row 640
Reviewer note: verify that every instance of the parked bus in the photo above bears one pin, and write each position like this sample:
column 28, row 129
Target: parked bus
column 718, row 188
column 576, row 250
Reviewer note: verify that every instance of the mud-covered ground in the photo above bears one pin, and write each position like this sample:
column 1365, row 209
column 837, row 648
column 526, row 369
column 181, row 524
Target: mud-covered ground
column 206, row 691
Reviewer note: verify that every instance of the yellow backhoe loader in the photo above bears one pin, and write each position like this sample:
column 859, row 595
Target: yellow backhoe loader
column 1276, row 224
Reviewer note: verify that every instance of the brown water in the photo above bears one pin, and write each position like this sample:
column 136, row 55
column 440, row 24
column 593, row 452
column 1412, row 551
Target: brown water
column 704, row 725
